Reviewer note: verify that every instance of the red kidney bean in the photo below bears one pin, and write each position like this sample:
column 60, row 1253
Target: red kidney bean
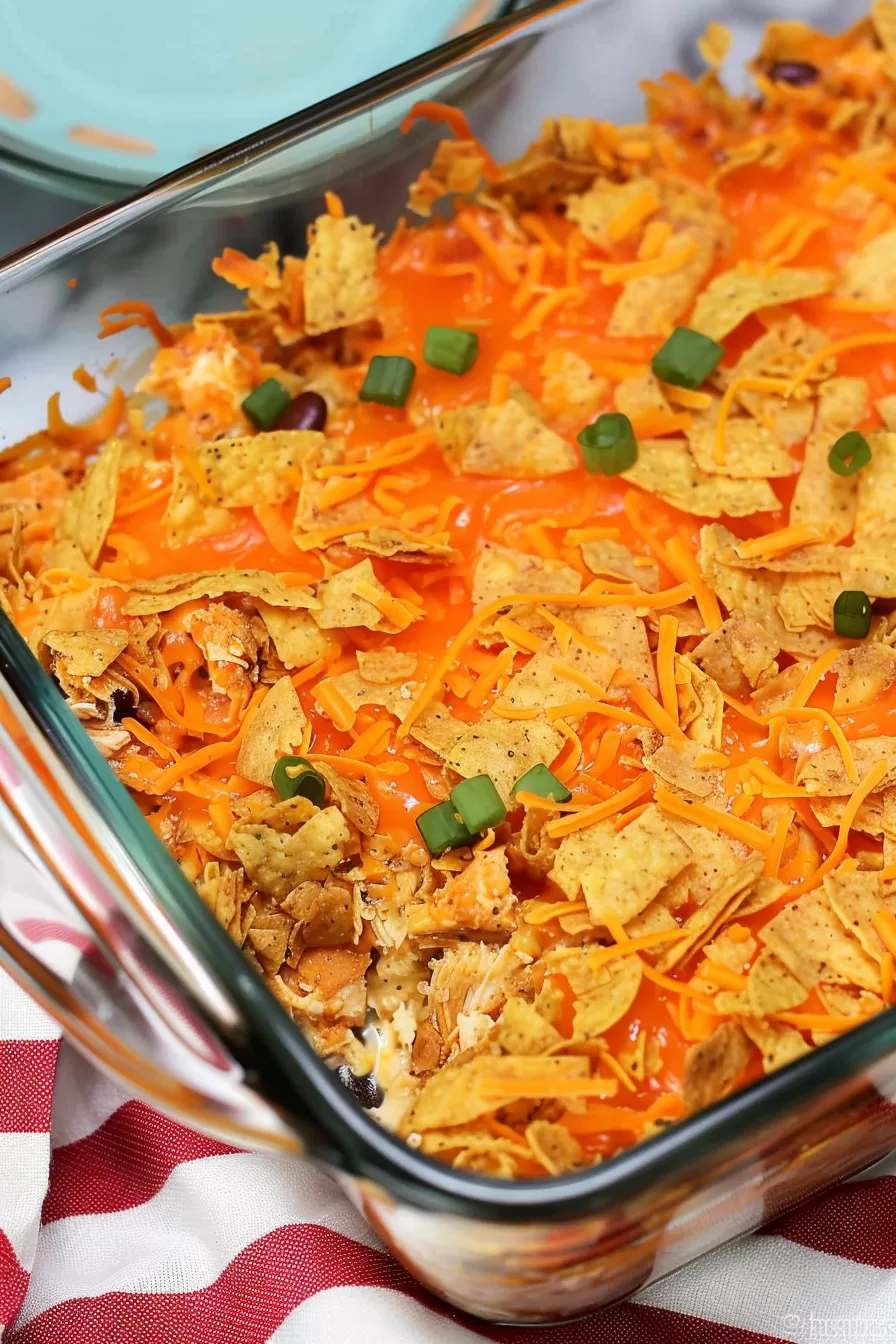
column 306, row 411
column 798, row 73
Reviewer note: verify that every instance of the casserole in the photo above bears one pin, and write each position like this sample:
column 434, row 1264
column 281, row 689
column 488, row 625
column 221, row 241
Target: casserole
column 537, row 1251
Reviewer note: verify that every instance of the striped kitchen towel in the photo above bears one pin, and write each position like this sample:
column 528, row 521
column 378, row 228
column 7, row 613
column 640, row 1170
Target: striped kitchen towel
column 119, row 1226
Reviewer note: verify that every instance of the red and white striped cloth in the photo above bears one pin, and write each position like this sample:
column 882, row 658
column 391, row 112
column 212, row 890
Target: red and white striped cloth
column 118, row 1226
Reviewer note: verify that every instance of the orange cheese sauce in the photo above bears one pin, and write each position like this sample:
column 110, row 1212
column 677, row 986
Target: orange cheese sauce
column 532, row 515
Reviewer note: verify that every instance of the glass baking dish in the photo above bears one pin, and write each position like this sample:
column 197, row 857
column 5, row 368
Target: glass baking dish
column 97, row 921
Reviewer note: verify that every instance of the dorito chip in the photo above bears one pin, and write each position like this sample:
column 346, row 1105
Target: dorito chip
column 751, row 449
column 650, row 304
column 86, row 653
column 341, row 607
column 870, row 273
column 278, row 861
column 863, row 674
column 298, row 639
column 453, row 1096
column 152, row 595
column 276, row 730
column 666, row 468
column 510, row 441
column 258, row 468
column 88, row 511
column 634, row 868
column 778, row 1042
column 713, row 1066
column 875, row 500
column 603, row 995
column 770, row 986
column 611, row 559
column 505, row 750
column 522, row 1030
column 824, row 771
column 821, row 496
column 812, row 943
column 480, row 897
column 737, row 655
column 395, row 544
column 594, row 211
column 734, row 295
column 340, row 274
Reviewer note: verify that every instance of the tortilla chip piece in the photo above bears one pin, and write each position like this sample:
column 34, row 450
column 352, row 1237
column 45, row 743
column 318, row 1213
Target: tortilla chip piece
column 570, row 385
column 577, row 852
column 88, row 511
column 770, row 986
column 666, row 468
column 453, row 1095
column 855, row 898
column 559, row 162
column 673, row 763
column 752, row 449
column 276, row 730
column 500, row 571
column 700, row 704
column 352, row 797
column 777, row 1042
column 554, row 1147
column 438, row 730
column 870, row 563
column 737, row 655
column 811, row 942
column 875, row 501
column 298, row 639
column 622, row 632
column 887, row 409
column 604, row 995
column 522, row 1030
column 510, row 441
column 611, row 559
column 86, row 653
column 147, row 596
column 277, row 861
column 504, row 749
column 821, row 496
column 870, row 273
column 594, row 211
column 732, row 296
column 719, row 897
column 806, row 601
column 324, row 913
column 395, row 696
column 713, row 1066
column 406, row 547
column 876, row 816
column 540, row 684
column 642, row 858
column 341, row 607
column 639, row 394
column 863, row 674
column 824, row 772
column 650, row 304
column 779, row 352
column 188, row 515
column 340, row 280
column 256, row 468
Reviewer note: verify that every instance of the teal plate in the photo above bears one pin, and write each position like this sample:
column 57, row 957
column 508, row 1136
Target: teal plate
column 124, row 93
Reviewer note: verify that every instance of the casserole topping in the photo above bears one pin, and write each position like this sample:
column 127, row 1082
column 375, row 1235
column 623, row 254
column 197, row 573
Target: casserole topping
column 495, row 620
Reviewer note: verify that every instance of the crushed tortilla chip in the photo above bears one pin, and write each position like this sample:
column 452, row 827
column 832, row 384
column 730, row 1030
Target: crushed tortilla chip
column 875, row 502
column 863, row 674
column 153, row 595
column 505, row 750
column 751, row 449
column 571, row 387
column 777, row 1042
column 770, row 986
column 453, row 1097
column 298, row 639
column 611, row 559
column 276, row 730
column 824, row 771
column 814, row 946
column 341, row 607
column 576, row 854
column 666, row 468
column 738, row 655
column 870, row 273
column 603, row 995
column 595, row 210
column 86, row 653
column 190, row 516
column 88, row 511
column 394, row 544
column 396, row 695
column 324, row 913
column 821, row 496
column 713, row 1066
column 734, row 295
column 340, row 280
column 257, row 468
column 649, row 305
column 554, row 1147
column 634, row 868
column 510, row 441
column 523, row 1030
column 277, row 861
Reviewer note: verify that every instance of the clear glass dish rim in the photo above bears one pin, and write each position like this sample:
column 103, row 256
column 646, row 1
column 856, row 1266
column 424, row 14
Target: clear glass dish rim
column 362, row 1148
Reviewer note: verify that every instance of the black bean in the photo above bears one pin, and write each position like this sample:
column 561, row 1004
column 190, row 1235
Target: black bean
column 798, row 73
column 306, row 411
column 365, row 1090
column 122, row 704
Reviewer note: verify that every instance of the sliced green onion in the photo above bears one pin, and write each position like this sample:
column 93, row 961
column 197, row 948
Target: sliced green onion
column 442, row 829
column 608, row 445
column 545, row 783
column 388, row 380
column 294, row 777
column 479, row 803
column 850, row 453
column 449, row 349
column 687, row 358
column 267, row 403
column 852, row 614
